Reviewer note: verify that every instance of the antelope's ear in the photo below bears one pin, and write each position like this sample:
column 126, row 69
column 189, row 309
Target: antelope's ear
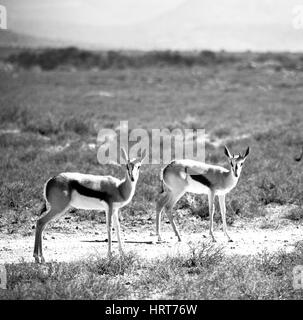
column 124, row 155
column 246, row 153
column 227, row 153
column 143, row 155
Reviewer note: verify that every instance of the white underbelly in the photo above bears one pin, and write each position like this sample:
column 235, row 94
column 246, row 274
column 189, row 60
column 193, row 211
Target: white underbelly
column 79, row 201
column 223, row 191
column 220, row 192
column 197, row 187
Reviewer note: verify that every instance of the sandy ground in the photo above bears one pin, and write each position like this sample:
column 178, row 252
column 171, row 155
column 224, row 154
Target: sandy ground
column 75, row 243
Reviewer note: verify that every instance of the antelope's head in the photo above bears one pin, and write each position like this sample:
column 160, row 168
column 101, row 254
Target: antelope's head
column 132, row 166
column 236, row 161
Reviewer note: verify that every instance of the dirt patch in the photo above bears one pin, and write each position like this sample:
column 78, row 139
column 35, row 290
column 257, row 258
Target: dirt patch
column 85, row 242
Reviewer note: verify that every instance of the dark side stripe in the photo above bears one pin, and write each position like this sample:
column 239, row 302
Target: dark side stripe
column 199, row 178
column 88, row 192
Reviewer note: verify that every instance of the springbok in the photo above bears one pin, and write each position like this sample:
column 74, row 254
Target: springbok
column 181, row 176
column 89, row 192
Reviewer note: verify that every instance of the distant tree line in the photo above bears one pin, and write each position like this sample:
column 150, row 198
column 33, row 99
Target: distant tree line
column 49, row 59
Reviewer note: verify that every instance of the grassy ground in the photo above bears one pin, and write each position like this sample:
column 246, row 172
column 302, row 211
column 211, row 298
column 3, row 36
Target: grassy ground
column 204, row 273
column 49, row 121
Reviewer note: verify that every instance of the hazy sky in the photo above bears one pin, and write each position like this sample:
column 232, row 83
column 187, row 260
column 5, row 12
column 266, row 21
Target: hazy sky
column 91, row 12
column 161, row 24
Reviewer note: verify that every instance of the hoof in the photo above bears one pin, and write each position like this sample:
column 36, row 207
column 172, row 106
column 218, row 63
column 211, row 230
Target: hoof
column 39, row 259
column 160, row 241
column 212, row 237
column 230, row 240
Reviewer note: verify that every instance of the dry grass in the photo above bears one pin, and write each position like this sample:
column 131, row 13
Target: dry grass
column 203, row 273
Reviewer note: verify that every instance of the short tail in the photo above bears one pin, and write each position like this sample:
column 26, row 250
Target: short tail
column 299, row 158
column 161, row 181
column 164, row 186
column 43, row 208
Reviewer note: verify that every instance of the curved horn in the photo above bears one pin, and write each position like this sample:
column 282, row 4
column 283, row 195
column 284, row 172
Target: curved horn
column 143, row 155
column 227, row 152
column 124, row 155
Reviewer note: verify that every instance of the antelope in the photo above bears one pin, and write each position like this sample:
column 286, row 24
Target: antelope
column 88, row 192
column 181, row 176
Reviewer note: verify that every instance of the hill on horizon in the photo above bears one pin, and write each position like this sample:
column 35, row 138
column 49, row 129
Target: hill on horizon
column 255, row 25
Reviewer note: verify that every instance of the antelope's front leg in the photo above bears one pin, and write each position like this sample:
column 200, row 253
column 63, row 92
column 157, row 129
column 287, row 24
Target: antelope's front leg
column 223, row 214
column 109, row 215
column 211, row 204
column 117, row 226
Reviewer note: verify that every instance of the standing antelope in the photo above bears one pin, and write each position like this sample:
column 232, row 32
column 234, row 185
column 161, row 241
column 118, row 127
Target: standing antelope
column 185, row 175
column 90, row 192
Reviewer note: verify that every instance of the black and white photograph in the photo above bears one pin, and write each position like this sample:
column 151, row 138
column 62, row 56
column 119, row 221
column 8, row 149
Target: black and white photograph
column 151, row 151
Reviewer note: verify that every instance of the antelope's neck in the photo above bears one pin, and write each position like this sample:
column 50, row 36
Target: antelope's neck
column 127, row 188
column 231, row 179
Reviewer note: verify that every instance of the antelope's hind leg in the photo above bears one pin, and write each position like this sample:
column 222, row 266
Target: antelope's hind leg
column 161, row 203
column 172, row 200
column 51, row 214
column 59, row 200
